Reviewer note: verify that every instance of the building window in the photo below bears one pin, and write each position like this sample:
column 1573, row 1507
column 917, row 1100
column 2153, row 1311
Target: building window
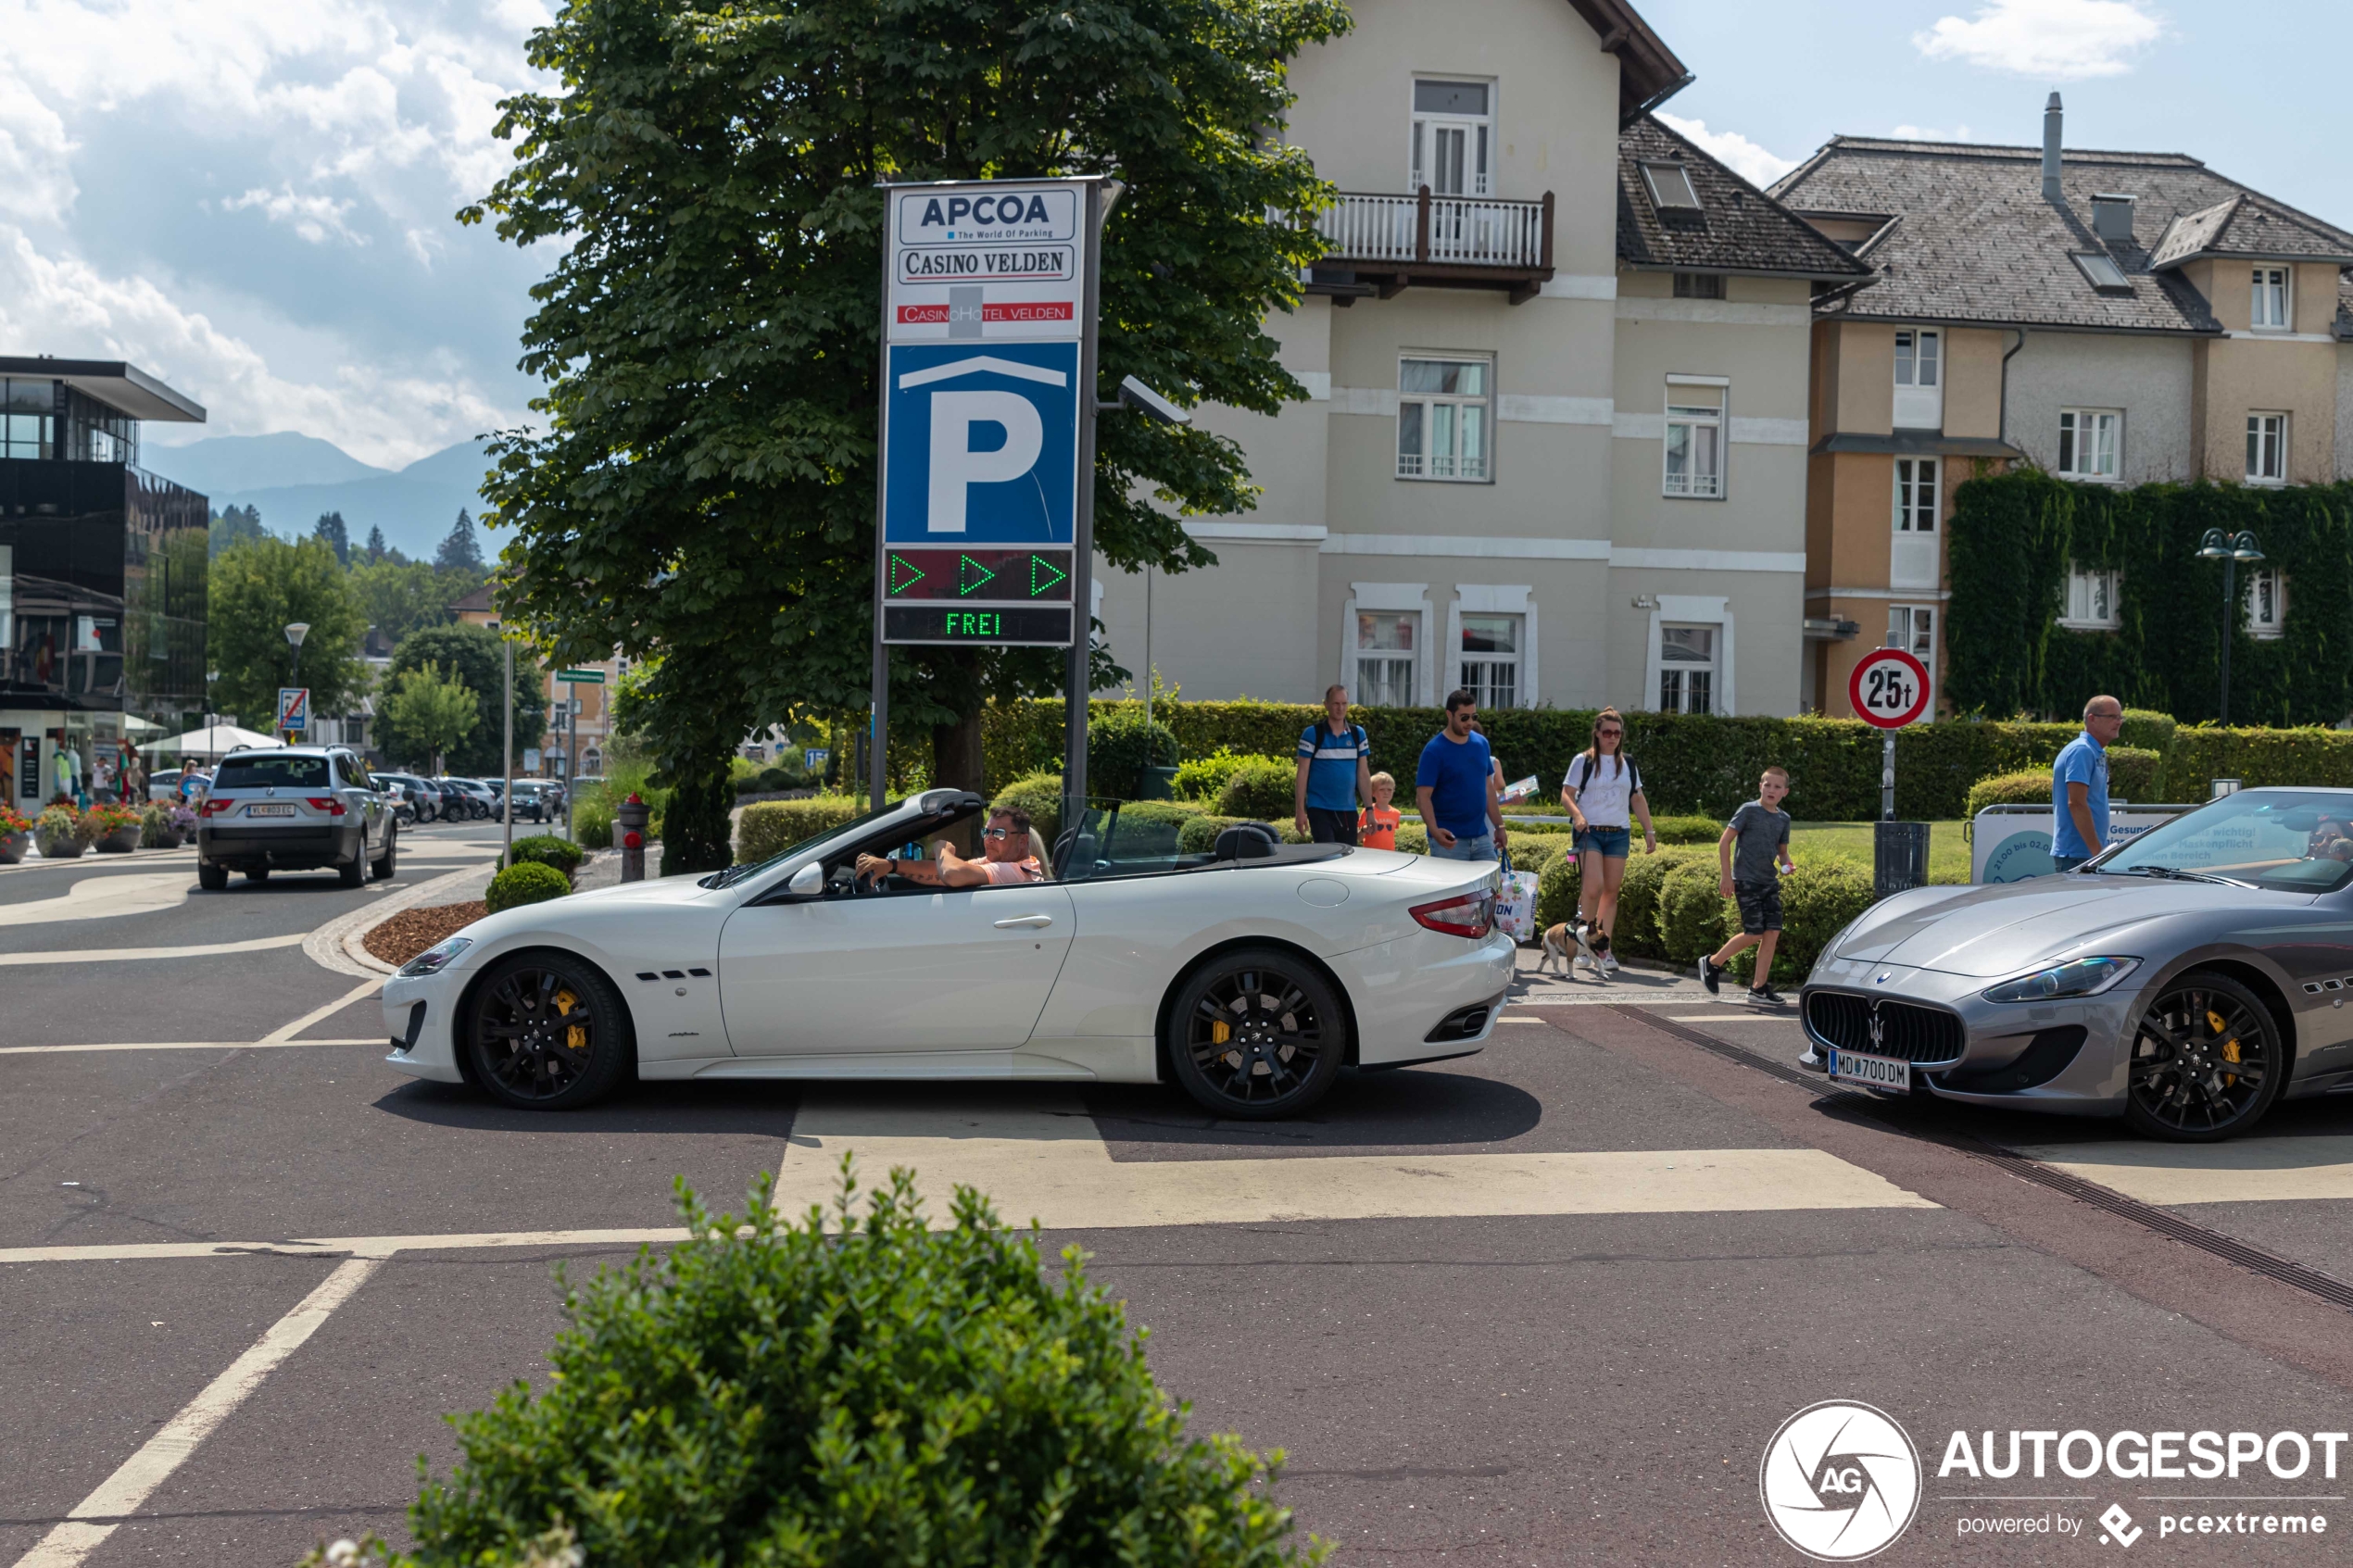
column 1454, row 129
column 1699, row 285
column 2267, row 448
column 1491, row 646
column 2269, row 305
column 1686, row 669
column 2092, row 601
column 2089, row 444
column 1913, row 629
column 1915, row 359
column 1385, row 644
column 28, row 418
column 1696, row 442
column 1670, row 187
column 2267, row 604
column 1443, row 418
column 1916, row 494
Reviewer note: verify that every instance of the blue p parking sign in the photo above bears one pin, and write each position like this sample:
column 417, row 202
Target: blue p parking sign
column 983, row 443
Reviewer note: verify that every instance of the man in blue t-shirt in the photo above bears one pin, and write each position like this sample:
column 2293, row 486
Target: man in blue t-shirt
column 1334, row 775
column 2079, row 786
column 1454, row 787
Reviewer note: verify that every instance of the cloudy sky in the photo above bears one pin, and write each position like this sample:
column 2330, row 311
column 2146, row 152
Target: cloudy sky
column 252, row 198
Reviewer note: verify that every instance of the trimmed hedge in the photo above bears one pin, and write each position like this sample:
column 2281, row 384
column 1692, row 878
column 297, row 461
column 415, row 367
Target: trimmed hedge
column 1693, row 915
column 1119, row 748
column 529, row 882
column 1556, row 892
column 2133, row 774
column 770, row 827
column 1202, row 778
column 2033, row 788
column 1262, row 787
column 547, row 850
column 1041, row 794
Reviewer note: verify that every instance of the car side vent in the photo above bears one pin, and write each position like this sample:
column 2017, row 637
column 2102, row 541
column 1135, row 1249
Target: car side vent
column 2048, row 1055
column 648, row 974
column 699, row 973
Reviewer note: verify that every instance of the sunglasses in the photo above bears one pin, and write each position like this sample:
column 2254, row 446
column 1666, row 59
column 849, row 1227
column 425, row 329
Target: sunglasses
column 996, row 833
column 1609, row 733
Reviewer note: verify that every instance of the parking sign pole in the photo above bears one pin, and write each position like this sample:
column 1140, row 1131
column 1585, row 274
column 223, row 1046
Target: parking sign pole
column 878, row 712
column 1887, row 776
column 1077, row 681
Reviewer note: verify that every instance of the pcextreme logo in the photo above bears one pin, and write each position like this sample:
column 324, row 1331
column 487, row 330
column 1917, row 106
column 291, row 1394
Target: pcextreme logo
column 1840, row 1481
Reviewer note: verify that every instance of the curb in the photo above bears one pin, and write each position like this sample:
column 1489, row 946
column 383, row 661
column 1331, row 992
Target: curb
column 335, row 944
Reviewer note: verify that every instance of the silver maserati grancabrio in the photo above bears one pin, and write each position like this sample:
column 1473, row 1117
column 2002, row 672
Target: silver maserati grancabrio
column 2184, row 979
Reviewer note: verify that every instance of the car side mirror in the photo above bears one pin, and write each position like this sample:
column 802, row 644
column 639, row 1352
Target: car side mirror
column 808, row 882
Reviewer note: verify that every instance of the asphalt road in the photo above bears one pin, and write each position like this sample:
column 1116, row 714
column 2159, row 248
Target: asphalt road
column 1545, row 1304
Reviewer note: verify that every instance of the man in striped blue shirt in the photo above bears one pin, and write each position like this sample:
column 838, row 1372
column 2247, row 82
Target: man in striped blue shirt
column 1335, row 775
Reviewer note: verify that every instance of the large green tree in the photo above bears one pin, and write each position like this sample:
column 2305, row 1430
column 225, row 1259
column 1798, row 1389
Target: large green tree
column 471, row 655
column 431, row 712
column 257, row 588
column 400, row 596
column 704, row 487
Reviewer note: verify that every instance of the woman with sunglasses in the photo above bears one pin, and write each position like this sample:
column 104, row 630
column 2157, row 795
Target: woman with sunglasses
column 1600, row 791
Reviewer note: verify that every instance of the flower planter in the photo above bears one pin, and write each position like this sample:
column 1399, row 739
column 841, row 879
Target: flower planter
column 13, row 847
column 64, row 848
column 167, row 839
column 123, row 841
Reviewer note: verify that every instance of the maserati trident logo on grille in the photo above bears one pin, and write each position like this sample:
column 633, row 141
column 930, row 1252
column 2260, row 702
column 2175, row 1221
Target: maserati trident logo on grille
column 1879, row 1029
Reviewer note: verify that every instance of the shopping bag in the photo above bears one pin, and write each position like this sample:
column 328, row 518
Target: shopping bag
column 1515, row 903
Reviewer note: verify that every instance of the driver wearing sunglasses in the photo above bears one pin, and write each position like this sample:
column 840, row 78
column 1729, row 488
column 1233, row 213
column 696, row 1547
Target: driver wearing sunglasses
column 1005, row 859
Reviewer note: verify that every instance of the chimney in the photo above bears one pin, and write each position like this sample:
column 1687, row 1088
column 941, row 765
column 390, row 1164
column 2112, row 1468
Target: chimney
column 2051, row 118
column 2112, row 218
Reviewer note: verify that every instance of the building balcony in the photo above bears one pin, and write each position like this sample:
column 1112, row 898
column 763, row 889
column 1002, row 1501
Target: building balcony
column 1382, row 245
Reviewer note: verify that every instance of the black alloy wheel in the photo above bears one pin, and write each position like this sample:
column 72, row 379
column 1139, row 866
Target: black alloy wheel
column 1257, row 1034
column 2207, row 1061
column 546, row 1032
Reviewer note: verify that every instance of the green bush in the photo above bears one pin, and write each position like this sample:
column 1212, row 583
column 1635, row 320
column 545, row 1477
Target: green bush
column 2148, row 729
column 1119, row 748
column 1201, row 778
column 1534, row 852
column 155, row 828
column 771, row 1394
column 2030, row 788
column 1818, row 901
column 1412, row 838
column 1041, row 794
column 592, row 820
column 770, row 827
column 1694, row 918
column 549, row 850
column 1176, row 811
column 2134, row 774
column 1689, row 830
column 1198, row 835
column 1265, row 787
column 1556, row 891
column 1635, row 929
column 529, row 882
column 58, row 832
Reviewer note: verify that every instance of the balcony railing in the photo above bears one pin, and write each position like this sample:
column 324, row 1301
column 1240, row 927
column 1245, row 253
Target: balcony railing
column 1455, row 239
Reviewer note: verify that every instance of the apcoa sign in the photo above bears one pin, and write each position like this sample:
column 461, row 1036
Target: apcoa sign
column 987, row 263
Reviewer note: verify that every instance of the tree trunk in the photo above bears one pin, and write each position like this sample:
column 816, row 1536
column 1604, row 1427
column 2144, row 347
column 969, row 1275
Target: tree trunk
column 695, row 834
column 957, row 758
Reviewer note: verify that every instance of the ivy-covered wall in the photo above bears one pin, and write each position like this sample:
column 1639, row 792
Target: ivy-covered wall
column 2014, row 534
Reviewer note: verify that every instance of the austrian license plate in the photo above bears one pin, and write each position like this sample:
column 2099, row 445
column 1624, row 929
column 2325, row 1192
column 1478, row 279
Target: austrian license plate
column 269, row 811
column 1872, row 1071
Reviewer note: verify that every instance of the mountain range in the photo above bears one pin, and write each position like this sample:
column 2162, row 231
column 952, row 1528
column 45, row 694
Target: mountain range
column 291, row 479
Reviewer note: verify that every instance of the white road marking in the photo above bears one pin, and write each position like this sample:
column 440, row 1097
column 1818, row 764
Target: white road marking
column 377, row 1246
column 135, row 1480
column 182, row 1046
column 120, row 954
column 2246, row 1171
column 286, row 1033
column 102, row 897
column 1730, row 1015
column 1050, row 1163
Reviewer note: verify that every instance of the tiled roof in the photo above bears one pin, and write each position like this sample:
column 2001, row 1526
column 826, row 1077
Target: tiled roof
column 478, row 599
column 1737, row 229
column 1974, row 240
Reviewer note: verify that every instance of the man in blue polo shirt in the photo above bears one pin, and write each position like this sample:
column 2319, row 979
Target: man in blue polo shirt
column 1334, row 776
column 2079, row 786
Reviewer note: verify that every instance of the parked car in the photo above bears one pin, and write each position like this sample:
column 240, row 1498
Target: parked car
column 303, row 807
column 424, row 800
column 164, row 787
column 531, row 800
column 479, row 802
column 397, row 795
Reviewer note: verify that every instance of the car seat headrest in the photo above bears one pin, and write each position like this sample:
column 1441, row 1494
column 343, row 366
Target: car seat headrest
column 1245, row 841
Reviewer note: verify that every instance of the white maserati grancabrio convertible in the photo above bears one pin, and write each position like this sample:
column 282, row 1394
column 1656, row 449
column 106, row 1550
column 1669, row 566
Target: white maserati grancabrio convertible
column 1251, row 974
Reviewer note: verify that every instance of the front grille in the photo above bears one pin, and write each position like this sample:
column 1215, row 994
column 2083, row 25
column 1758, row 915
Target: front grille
column 1907, row 1031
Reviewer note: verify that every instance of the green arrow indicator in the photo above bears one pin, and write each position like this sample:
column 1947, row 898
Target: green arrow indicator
column 899, row 564
column 971, row 575
column 1043, row 575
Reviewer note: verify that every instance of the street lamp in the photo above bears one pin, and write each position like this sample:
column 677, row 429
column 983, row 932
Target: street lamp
column 2230, row 549
column 295, row 631
column 507, row 794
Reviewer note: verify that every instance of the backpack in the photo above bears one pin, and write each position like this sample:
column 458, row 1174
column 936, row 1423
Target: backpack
column 1580, row 774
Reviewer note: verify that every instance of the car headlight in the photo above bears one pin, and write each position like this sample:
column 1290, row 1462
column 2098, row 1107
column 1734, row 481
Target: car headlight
column 2077, row 977
column 435, row 959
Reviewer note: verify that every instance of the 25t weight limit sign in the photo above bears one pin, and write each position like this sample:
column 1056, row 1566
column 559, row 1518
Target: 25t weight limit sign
column 1889, row 688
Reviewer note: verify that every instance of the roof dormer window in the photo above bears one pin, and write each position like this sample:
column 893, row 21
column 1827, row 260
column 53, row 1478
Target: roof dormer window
column 1670, row 187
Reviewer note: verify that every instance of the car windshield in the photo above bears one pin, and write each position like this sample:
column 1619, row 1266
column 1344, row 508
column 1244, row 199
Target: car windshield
column 735, row 874
column 2288, row 841
column 268, row 772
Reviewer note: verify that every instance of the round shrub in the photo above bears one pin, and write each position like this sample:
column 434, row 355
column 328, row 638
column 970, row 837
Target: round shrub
column 1119, row 748
column 2030, row 788
column 770, row 1393
column 547, row 850
column 1264, row 787
column 529, row 882
column 1201, row 778
column 1556, row 891
column 1636, row 928
column 773, row 779
column 1818, row 901
column 1041, row 794
column 1694, row 918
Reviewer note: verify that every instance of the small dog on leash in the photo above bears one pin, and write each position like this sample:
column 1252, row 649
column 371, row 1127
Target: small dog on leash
column 1571, row 942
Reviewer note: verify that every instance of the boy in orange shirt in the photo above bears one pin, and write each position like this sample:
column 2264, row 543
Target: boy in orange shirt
column 1378, row 830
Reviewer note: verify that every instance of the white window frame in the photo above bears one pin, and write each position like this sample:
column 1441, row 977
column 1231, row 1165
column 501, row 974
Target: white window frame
column 1915, row 628
column 1495, row 598
column 1479, row 139
column 1427, row 403
column 1704, row 430
column 1689, row 685
column 2271, row 286
column 2095, row 600
column 2099, row 430
column 1689, row 610
column 1386, row 598
column 2267, row 604
column 2266, row 447
column 1914, row 475
column 1668, row 183
column 1918, row 348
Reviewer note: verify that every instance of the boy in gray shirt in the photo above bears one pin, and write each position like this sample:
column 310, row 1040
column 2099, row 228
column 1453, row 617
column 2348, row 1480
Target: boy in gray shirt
column 1756, row 838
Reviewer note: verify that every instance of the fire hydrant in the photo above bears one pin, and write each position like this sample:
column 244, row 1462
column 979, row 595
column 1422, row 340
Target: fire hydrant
column 629, row 822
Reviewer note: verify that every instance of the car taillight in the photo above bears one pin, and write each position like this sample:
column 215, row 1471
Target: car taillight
column 218, row 808
column 1466, row 914
column 328, row 804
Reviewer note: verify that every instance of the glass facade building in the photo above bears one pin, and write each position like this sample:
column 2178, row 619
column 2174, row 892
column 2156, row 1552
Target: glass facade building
column 102, row 579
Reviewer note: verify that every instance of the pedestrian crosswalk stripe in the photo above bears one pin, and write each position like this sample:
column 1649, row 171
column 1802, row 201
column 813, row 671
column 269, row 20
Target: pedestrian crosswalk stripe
column 2246, row 1171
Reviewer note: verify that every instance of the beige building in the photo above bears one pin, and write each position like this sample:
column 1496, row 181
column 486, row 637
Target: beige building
column 583, row 734
column 2114, row 318
column 1556, row 358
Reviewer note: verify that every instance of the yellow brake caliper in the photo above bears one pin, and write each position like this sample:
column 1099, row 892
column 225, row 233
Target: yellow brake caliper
column 576, row 1036
column 2230, row 1047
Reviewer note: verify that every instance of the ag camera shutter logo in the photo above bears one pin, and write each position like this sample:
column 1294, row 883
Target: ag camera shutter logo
column 1840, row 1481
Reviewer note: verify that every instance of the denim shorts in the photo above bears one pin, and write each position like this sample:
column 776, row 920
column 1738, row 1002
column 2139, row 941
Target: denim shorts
column 1479, row 848
column 1609, row 843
